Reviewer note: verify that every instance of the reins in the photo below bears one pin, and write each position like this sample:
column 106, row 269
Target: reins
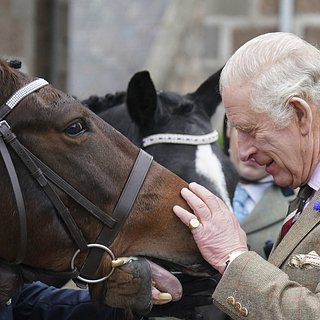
column 4, row 110
column 46, row 178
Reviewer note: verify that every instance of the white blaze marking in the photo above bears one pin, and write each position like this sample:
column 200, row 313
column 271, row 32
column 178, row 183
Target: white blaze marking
column 208, row 165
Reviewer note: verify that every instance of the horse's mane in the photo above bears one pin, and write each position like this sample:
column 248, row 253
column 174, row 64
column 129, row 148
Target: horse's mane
column 99, row 104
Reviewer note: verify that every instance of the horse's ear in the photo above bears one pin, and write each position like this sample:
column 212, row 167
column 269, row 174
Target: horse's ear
column 141, row 98
column 208, row 95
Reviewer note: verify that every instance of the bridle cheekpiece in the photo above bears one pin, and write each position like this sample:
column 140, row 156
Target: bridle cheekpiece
column 46, row 178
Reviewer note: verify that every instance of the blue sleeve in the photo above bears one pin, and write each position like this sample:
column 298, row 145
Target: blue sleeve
column 38, row 301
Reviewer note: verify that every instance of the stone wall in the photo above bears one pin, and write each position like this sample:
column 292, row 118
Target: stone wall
column 35, row 31
column 17, row 31
column 219, row 27
column 99, row 44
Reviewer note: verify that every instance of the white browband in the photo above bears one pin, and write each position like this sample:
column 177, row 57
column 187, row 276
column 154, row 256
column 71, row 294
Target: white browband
column 24, row 91
column 180, row 139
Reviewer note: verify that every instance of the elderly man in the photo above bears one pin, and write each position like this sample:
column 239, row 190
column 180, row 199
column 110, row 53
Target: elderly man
column 271, row 93
column 259, row 203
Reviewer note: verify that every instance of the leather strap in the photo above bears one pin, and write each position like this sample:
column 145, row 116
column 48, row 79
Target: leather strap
column 30, row 274
column 72, row 192
column 120, row 212
column 20, row 94
column 10, row 138
column 18, row 197
column 41, row 173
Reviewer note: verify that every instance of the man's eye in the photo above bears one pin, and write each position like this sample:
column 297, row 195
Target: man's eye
column 75, row 129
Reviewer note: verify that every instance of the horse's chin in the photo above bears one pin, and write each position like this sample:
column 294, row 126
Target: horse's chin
column 128, row 288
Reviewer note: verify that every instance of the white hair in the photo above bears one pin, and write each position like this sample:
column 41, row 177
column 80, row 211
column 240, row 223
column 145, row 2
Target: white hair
column 276, row 67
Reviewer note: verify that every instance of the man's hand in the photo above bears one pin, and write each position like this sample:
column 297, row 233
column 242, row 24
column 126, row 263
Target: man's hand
column 219, row 233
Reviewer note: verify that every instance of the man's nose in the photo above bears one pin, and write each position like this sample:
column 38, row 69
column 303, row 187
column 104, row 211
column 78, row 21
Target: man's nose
column 245, row 146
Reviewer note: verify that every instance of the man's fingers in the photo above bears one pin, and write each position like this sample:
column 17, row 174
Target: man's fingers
column 187, row 217
column 203, row 193
column 184, row 215
column 213, row 202
column 198, row 205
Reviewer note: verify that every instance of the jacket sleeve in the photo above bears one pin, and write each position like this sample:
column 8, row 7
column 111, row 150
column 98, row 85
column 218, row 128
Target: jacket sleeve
column 253, row 288
column 38, row 301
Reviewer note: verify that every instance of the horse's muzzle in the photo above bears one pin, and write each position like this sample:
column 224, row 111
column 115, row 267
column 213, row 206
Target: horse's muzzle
column 129, row 287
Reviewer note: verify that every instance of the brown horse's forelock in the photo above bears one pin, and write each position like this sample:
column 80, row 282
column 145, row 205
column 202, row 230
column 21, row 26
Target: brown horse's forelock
column 10, row 80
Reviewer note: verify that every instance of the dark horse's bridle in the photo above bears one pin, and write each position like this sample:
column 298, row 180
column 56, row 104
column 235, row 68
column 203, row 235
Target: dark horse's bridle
column 47, row 178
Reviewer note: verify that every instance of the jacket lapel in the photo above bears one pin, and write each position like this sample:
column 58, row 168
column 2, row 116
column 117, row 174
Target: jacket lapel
column 271, row 200
column 307, row 221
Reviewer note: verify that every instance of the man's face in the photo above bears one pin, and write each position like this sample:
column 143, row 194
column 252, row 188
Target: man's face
column 281, row 151
column 249, row 170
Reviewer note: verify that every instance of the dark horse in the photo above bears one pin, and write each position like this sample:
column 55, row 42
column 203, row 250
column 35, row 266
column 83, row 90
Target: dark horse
column 65, row 187
column 175, row 129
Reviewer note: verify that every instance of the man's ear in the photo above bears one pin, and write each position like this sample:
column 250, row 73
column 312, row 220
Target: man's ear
column 303, row 112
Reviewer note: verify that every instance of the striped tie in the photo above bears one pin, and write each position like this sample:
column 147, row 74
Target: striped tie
column 295, row 208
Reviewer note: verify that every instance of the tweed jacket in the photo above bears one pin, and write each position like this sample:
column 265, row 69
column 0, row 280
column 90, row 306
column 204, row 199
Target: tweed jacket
column 252, row 288
column 265, row 220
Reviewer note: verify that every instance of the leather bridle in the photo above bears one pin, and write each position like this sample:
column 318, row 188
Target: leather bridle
column 47, row 179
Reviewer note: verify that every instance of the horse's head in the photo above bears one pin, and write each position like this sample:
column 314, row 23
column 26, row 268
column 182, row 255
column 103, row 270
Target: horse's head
column 60, row 139
column 162, row 111
column 176, row 129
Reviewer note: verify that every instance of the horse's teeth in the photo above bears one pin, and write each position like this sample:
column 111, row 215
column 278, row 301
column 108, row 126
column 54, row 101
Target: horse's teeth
column 118, row 262
column 164, row 296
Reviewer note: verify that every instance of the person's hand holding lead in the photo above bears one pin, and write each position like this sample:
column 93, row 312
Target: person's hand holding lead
column 218, row 233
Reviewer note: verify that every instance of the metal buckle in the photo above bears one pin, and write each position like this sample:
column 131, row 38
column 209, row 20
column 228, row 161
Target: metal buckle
column 4, row 127
column 4, row 122
column 100, row 246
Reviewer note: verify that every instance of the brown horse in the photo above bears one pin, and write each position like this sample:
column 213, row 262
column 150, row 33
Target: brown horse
column 46, row 137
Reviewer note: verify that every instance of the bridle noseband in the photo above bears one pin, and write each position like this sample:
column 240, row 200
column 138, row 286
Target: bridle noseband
column 47, row 178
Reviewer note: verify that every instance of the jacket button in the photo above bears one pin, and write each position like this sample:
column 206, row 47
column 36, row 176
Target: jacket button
column 244, row 311
column 238, row 306
column 231, row 300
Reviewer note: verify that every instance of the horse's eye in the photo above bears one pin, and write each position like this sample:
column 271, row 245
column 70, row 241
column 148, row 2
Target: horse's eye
column 75, row 129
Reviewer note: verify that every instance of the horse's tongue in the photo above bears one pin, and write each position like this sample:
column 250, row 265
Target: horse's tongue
column 166, row 281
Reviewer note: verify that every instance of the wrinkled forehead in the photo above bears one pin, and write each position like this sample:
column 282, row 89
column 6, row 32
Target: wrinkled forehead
column 236, row 101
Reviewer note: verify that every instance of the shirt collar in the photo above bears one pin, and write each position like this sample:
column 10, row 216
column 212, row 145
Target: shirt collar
column 314, row 181
column 256, row 190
